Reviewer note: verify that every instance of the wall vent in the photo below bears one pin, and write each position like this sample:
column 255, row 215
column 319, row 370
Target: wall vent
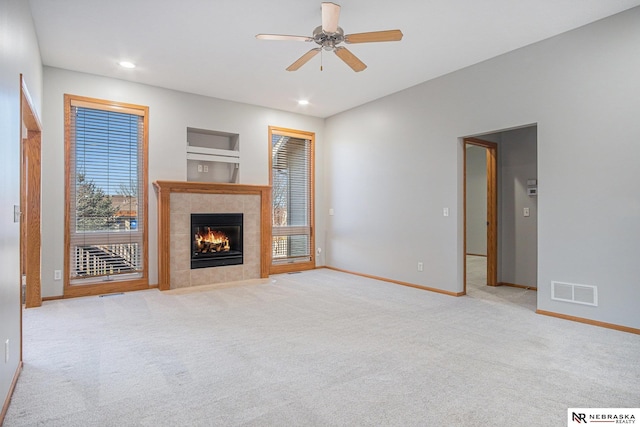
column 571, row 292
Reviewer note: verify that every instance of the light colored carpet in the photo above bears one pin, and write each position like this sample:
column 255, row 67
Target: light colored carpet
column 477, row 286
column 476, row 271
column 319, row 348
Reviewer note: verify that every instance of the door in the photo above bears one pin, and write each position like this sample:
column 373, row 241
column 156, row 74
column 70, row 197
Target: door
column 30, row 173
column 491, row 221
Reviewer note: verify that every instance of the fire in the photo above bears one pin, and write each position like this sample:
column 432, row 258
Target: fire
column 212, row 241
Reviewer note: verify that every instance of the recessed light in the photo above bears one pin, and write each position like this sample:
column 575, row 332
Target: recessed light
column 303, row 102
column 127, row 64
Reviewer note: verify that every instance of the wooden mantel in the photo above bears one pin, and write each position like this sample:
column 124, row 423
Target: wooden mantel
column 164, row 190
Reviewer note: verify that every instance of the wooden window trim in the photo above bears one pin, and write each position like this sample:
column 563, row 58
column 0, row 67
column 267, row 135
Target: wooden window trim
column 115, row 286
column 311, row 136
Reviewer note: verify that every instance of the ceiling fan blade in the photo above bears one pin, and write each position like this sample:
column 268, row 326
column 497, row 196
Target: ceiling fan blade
column 374, row 36
column 283, row 37
column 303, row 59
column 330, row 15
column 350, row 59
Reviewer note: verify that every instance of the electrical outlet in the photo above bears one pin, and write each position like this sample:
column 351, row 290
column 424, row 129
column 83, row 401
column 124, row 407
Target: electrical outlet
column 57, row 275
column 199, row 168
column 6, row 351
column 420, row 266
column 445, row 211
column 206, row 168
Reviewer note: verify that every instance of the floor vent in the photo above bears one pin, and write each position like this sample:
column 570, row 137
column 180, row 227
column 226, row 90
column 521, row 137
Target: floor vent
column 111, row 295
column 578, row 294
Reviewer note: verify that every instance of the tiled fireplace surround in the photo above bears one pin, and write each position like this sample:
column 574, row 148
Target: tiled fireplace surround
column 177, row 200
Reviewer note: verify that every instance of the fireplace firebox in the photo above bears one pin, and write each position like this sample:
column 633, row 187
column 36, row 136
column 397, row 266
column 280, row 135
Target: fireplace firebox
column 216, row 240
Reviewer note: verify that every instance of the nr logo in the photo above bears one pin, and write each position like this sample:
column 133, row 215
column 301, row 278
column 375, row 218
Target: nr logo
column 579, row 418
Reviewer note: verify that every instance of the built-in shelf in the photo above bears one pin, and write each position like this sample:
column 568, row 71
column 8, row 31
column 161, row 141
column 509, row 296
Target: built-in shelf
column 212, row 156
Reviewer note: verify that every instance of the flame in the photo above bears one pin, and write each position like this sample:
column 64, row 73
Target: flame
column 212, row 240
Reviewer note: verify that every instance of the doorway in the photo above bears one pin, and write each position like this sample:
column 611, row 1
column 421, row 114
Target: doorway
column 30, row 189
column 510, row 182
column 480, row 212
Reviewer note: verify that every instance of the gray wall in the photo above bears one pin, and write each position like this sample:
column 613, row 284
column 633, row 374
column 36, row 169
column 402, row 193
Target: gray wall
column 476, row 200
column 19, row 53
column 518, row 235
column 392, row 166
column 170, row 113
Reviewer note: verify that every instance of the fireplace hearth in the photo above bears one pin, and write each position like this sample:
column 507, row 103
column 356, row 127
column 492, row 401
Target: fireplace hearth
column 216, row 239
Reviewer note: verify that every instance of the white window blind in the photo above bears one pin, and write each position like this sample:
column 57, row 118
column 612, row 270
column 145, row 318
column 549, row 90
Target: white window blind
column 291, row 187
column 106, row 189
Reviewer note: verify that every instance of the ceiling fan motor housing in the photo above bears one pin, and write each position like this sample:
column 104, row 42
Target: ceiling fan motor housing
column 328, row 41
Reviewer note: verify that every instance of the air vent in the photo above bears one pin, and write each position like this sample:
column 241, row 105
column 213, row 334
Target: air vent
column 571, row 292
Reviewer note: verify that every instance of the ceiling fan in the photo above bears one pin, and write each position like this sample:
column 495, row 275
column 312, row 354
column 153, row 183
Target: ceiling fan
column 329, row 35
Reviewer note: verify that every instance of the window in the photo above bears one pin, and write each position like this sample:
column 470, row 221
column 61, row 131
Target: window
column 106, row 196
column 292, row 199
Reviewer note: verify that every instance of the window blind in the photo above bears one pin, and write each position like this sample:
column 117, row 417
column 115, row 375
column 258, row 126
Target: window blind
column 106, row 186
column 291, row 187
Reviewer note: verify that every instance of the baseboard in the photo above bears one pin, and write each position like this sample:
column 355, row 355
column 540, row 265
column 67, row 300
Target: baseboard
column 7, row 401
column 397, row 282
column 513, row 285
column 590, row 322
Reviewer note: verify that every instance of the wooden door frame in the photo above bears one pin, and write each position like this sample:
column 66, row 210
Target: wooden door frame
column 492, row 209
column 30, row 198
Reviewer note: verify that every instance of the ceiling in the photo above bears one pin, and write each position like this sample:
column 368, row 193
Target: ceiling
column 208, row 47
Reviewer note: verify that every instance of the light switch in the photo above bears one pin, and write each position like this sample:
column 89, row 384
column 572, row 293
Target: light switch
column 445, row 211
column 525, row 211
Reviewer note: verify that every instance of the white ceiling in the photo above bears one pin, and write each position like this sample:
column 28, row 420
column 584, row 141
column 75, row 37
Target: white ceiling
column 208, row 47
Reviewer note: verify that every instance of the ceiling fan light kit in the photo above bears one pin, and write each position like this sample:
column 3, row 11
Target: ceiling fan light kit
column 329, row 36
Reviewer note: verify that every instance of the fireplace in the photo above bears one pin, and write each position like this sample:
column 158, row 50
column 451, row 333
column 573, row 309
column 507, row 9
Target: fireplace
column 216, row 240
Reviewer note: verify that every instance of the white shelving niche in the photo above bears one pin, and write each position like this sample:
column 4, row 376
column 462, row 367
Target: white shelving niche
column 212, row 156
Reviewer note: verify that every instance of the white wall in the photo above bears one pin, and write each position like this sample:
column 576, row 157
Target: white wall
column 170, row 113
column 19, row 53
column 476, row 200
column 392, row 165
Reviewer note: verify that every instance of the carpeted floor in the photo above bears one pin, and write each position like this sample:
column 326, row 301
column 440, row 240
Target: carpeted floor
column 319, row 348
column 477, row 286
